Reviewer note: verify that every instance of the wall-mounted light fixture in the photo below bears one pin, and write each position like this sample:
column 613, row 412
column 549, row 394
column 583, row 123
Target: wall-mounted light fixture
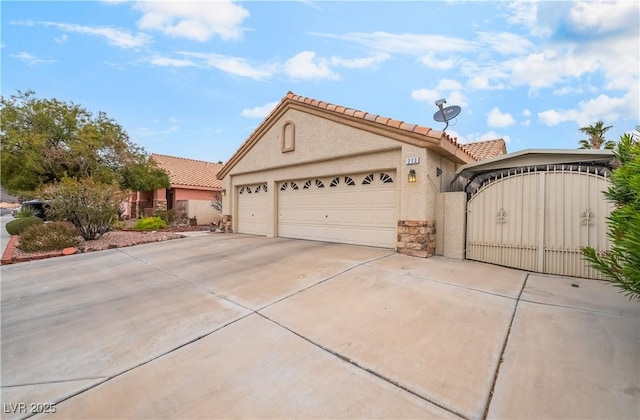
column 224, row 192
column 412, row 175
column 438, row 171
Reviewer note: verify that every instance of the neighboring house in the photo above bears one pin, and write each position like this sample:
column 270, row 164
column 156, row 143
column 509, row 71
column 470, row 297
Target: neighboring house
column 194, row 188
column 318, row 171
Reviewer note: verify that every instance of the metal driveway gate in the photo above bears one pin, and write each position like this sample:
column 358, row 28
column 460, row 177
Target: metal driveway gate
column 539, row 220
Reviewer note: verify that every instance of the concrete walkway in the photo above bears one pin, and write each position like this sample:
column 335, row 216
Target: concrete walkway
column 219, row 326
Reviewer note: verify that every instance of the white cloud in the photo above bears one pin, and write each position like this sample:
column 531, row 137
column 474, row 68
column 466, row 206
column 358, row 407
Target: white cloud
column 475, row 137
column 431, row 61
column 196, row 20
column 567, row 90
column 526, row 113
column 62, row 39
column 601, row 108
column 505, row 43
column 359, row 63
column 170, row 62
column 420, row 45
column 306, row 65
column 545, row 68
column 432, row 95
column 448, row 84
column 602, row 17
column 259, row 111
column 496, row 118
column 30, row 59
column 114, row 36
column 237, row 66
column 426, row 95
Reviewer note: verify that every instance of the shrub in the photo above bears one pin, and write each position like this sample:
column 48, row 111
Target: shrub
column 150, row 223
column 621, row 263
column 167, row 215
column 90, row 205
column 16, row 227
column 48, row 237
column 25, row 211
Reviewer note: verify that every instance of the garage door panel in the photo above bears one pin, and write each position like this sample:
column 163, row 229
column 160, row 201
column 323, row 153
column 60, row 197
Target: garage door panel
column 345, row 212
column 253, row 208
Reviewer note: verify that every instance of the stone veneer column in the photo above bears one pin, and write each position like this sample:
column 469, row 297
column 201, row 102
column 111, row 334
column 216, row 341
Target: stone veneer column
column 160, row 205
column 416, row 238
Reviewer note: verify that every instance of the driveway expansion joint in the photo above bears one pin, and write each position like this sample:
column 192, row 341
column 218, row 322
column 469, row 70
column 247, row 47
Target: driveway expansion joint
column 324, row 280
column 504, row 347
column 129, row 369
column 365, row 369
column 60, row 381
column 575, row 308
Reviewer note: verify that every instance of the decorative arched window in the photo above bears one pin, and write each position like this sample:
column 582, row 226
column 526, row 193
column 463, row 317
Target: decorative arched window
column 307, row 185
column 284, row 186
column 335, row 182
column 385, row 178
column 319, row 184
column 288, row 137
column 349, row 181
column 241, row 191
column 367, row 179
column 294, row 186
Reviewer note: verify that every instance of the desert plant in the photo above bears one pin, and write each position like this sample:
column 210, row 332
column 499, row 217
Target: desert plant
column 48, row 237
column 167, row 215
column 621, row 263
column 150, row 223
column 90, row 205
column 25, row 211
column 17, row 226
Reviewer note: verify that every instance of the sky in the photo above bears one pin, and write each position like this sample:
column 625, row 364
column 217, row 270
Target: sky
column 194, row 79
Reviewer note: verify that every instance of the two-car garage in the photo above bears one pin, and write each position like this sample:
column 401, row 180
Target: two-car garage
column 357, row 209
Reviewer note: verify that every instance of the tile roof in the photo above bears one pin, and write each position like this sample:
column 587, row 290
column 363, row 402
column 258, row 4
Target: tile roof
column 386, row 121
column 487, row 149
column 189, row 172
column 448, row 143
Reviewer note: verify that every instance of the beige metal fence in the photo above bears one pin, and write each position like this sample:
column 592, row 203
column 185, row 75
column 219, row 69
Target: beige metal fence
column 539, row 220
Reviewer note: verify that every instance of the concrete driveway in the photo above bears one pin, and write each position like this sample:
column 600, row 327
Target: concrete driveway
column 219, row 326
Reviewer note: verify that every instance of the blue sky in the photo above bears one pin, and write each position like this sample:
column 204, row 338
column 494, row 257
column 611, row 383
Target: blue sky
column 194, row 79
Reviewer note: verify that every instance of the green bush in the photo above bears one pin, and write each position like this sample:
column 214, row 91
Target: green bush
column 17, row 226
column 25, row 211
column 167, row 215
column 621, row 264
column 150, row 223
column 48, row 237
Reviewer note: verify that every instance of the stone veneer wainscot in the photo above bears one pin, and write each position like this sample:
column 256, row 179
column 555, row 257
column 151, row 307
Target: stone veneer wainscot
column 416, row 238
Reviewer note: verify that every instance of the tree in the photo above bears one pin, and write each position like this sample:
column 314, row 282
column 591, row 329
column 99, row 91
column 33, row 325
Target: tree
column 621, row 264
column 596, row 138
column 44, row 141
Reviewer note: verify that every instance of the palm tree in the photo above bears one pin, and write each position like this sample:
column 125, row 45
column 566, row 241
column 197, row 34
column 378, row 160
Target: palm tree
column 596, row 138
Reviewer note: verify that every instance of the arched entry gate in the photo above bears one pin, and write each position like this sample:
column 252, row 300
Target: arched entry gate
column 539, row 219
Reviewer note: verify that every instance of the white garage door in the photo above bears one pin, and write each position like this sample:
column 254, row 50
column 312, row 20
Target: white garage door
column 540, row 221
column 352, row 209
column 252, row 209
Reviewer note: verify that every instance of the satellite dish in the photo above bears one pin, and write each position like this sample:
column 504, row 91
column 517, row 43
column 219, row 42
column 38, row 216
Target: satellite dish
column 447, row 114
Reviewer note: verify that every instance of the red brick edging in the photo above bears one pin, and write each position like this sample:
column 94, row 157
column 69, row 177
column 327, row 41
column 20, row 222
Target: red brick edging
column 9, row 256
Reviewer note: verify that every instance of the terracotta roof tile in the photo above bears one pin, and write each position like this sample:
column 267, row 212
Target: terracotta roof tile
column 486, row 149
column 407, row 127
column 191, row 172
column 394, row 123
column 370, row 117
column 350, row 112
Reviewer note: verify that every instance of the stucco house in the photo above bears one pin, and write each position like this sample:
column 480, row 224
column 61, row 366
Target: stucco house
column 319, row 171
column 194, row 187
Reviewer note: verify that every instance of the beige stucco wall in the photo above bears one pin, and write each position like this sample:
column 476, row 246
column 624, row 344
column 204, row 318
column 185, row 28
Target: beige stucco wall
column 326, row 148
column 203, row 211
column 451, row 224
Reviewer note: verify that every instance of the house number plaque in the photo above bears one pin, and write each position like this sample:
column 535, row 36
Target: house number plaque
column 413, row 160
